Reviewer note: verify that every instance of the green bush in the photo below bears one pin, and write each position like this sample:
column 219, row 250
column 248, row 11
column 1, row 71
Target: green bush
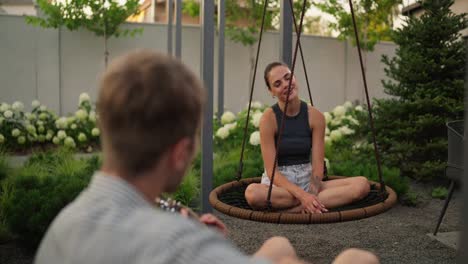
column 391, row 176
column 5, row 169
column 188, row 191
column 426, row 85
column 41, row 128
column 411, row 198
column 34, row 194
column 439, row 193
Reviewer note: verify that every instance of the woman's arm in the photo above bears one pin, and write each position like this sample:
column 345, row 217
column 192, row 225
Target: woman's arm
column 317, row 125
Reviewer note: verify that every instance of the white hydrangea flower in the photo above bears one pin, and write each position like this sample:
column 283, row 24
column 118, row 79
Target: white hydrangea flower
column 81, row 114
column 43, row 108
column 41, row 129
column 359, row 108
column 4, row 107
column 15, row 132
column 328, row 117
column 223, row 132
column 61, row 123
column 17, row 106
column 41, row 138
column 84, row 97
column 339, row 111
column 39, row 123
column 335, row 135
column 61, row 134
column 49, row 136
column 345, row 130
column 35, row 103
column 227, row 117
column 255, row 138
column 95, row 132
column 2, row 139
column 42, row 116
column 56, row 140
column 89, row 149
column 8, row 114
column 256, row 118
column 352, row 120
column 71, row 120
column 21, row 140
column 82, row 137
column 69, row 142
column 32, row 117
column 231, row 126
column 327, row 163
column 31, row 129
column 256, row 105
column 327, row 131
column 336, row 121
column 73, row 126
column 348, row 105
column 92, row 116
column 327, row 139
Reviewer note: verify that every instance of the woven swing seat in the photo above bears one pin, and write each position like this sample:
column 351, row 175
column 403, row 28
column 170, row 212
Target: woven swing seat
column 229, row 199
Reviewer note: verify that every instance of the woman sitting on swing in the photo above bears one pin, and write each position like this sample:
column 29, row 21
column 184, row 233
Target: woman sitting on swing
column 298, row 185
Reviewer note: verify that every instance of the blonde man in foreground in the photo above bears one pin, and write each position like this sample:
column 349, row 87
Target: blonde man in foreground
column 150, row 109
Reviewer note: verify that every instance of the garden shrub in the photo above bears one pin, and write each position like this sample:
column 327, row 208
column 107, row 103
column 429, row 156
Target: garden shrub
column 439, row 193
column 5, row 169
column 188, row 191
column 426, row 85
column 35, row 194
column 42, row 128
column 350, row 154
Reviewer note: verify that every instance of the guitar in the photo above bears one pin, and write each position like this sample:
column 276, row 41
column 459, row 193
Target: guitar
column 175, row 206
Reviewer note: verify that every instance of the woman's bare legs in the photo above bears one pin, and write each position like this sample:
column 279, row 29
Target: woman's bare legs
column 278, row 250
column 335, row 193
column 354, row 255
column 256, row 195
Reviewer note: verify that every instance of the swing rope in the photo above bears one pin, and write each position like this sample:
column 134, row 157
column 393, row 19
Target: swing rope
column 369, row 107
column 278, row 140
column 265, row 4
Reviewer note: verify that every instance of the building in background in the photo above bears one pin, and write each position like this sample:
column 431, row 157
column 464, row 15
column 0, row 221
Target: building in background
column 414, row 8
column 17, row 7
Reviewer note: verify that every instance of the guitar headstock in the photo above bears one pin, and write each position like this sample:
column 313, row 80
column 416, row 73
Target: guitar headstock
column 169, row 204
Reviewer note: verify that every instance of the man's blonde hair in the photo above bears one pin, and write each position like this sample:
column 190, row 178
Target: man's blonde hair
column 147, row 103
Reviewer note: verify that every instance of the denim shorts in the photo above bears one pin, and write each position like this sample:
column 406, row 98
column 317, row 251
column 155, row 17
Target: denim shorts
column 298, row 174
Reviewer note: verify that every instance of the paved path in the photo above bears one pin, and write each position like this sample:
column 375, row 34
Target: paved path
column 396, row 236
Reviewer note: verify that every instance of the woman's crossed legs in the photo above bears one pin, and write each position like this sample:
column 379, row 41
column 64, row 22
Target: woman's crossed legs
column 333, row 193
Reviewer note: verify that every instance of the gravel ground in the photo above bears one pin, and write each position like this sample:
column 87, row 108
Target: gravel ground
column 396, row 236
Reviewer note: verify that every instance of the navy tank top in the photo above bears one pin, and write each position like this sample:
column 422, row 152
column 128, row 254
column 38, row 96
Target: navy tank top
column 296, row 139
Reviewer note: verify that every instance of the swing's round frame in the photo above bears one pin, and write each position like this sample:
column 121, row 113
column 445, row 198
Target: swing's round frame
column 296, row 218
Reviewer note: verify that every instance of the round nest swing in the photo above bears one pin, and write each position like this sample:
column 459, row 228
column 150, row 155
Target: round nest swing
column 229, row 198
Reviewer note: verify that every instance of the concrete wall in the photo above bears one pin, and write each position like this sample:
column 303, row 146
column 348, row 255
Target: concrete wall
column 55, row 66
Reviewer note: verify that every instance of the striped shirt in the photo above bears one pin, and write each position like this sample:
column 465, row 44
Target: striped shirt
column 111, row 222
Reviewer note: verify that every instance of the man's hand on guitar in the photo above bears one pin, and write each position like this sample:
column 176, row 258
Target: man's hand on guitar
column 213, row 221
column 207, row 219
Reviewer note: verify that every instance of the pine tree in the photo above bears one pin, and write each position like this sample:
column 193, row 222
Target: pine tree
column 426, row 82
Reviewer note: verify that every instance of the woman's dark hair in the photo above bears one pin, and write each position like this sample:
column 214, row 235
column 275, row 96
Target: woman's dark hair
column 270, row 67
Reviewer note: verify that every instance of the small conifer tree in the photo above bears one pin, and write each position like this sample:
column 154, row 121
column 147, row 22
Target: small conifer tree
column 426, row 82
